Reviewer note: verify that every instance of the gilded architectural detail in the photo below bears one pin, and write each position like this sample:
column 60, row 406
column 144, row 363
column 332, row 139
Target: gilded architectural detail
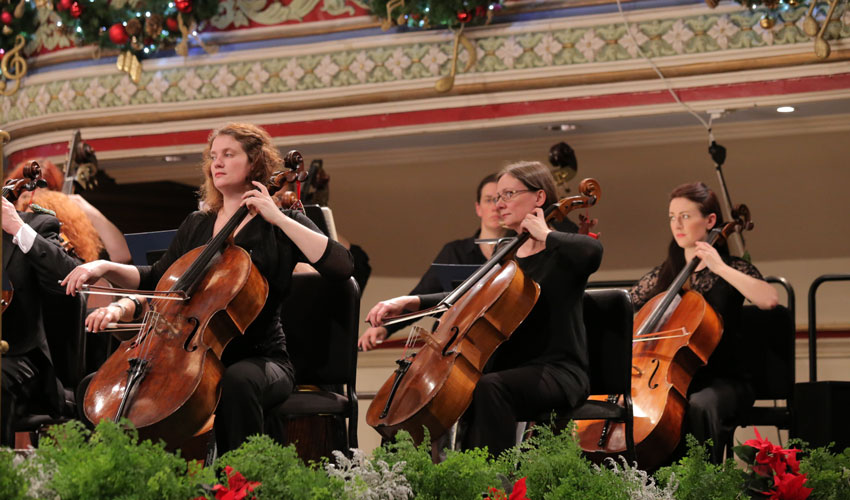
column 420, row 58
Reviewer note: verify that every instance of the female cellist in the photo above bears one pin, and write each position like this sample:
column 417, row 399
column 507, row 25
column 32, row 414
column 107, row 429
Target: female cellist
column 720, row 389
column 543, row 365
column 258, row 372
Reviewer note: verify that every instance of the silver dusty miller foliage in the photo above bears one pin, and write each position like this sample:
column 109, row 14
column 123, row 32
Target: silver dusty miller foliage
column 641, row 485
column 364, row 482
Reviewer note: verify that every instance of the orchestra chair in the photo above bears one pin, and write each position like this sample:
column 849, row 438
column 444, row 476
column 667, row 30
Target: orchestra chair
column 608, row 319
column 769, row 337
column 320, row 319
column 68, row 349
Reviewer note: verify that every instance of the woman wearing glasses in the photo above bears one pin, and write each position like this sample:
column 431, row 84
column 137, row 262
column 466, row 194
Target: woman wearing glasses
column 543, row 366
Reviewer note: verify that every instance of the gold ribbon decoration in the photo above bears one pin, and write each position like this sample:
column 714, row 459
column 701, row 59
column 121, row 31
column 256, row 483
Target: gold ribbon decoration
column 130, row 64
column 388, row 22
column 183, row 47
column 13, row 67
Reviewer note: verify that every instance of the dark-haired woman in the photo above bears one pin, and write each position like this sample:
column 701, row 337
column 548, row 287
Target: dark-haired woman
column 720, row 390
column 258, row 374
column 543, row 366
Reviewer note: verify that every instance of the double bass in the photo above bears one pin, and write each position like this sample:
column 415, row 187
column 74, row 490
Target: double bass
column 166, row 380
column 434, row 387
column 674, row 335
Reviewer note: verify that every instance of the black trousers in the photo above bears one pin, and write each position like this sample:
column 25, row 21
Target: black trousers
column 712, row 411
column 503, row 398
column 248, row 388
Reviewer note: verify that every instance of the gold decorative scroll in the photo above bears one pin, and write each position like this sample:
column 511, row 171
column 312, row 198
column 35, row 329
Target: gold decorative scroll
column 13, row 67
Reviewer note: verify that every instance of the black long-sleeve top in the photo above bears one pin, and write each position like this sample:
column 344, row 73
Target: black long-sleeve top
column 553, row 334
column 274, row 255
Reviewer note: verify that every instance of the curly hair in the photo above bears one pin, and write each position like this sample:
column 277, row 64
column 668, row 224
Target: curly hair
column 75, row 224
column 263, row 157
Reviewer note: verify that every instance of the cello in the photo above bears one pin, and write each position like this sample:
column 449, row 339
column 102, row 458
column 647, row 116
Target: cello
column 674, row 335
column 166, row 380
column 434, row 387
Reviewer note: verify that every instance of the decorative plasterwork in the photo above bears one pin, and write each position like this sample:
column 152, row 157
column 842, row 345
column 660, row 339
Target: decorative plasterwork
column 381, row 64
column 241, row 14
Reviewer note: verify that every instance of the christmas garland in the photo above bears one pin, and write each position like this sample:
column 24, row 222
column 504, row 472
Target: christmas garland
column 141, row 27
column 434, row 13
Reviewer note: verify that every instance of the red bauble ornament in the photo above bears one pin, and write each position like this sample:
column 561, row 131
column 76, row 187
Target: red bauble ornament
column 76, row 10
column 171, row 24
column 117, row 34
column 464, row 16
column 6, row 17
column 64, row 4
column 184, row 6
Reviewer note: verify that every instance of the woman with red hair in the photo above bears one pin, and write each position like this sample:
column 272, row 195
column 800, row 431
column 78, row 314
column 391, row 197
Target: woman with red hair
column 258, row 373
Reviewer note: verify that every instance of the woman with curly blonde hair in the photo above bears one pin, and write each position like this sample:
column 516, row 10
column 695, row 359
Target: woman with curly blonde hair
column 258, row 372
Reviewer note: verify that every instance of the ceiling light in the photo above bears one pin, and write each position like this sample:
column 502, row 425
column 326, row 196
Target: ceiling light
column 560, row 127
column 785, row 109
column 171, row 159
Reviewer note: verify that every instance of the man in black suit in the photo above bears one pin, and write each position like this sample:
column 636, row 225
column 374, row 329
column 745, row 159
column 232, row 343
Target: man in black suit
column 34, row 262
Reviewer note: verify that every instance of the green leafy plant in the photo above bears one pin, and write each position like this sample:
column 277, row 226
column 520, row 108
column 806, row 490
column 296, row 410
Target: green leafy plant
column 828, row 473
column 699, row 479
column 282, row 474
column 111, row 463
column 13, row 483
column 554, row 467
column 462, row 475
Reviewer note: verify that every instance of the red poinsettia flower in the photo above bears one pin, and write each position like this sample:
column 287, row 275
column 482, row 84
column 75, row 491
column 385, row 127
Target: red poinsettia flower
column 496, row 494
column 772, row 459
column 238, row 486
column 789, row 487
column 518, row 493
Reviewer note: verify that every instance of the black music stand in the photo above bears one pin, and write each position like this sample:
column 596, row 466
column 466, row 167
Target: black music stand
column 147, row 248
column 452, row 275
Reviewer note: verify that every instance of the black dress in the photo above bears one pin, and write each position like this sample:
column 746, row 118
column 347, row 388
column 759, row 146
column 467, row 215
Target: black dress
column 720, row 390
column 259, row 373
column 543, row 366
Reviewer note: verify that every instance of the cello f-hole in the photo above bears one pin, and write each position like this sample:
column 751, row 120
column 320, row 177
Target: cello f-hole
column 654, row 371
column 196, row 324
column 455, row 332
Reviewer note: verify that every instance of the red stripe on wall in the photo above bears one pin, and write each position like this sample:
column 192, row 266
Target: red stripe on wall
column 469, row 113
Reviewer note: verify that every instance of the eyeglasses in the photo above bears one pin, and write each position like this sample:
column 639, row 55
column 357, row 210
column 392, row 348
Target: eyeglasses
column 509, row 194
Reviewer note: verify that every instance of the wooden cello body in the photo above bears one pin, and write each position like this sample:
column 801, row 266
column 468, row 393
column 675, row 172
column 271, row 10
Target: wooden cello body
column 434, row 387
column 178, row 352
column 166, row 380
column 662, row 368
column 674, row 335
column 438, row 385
